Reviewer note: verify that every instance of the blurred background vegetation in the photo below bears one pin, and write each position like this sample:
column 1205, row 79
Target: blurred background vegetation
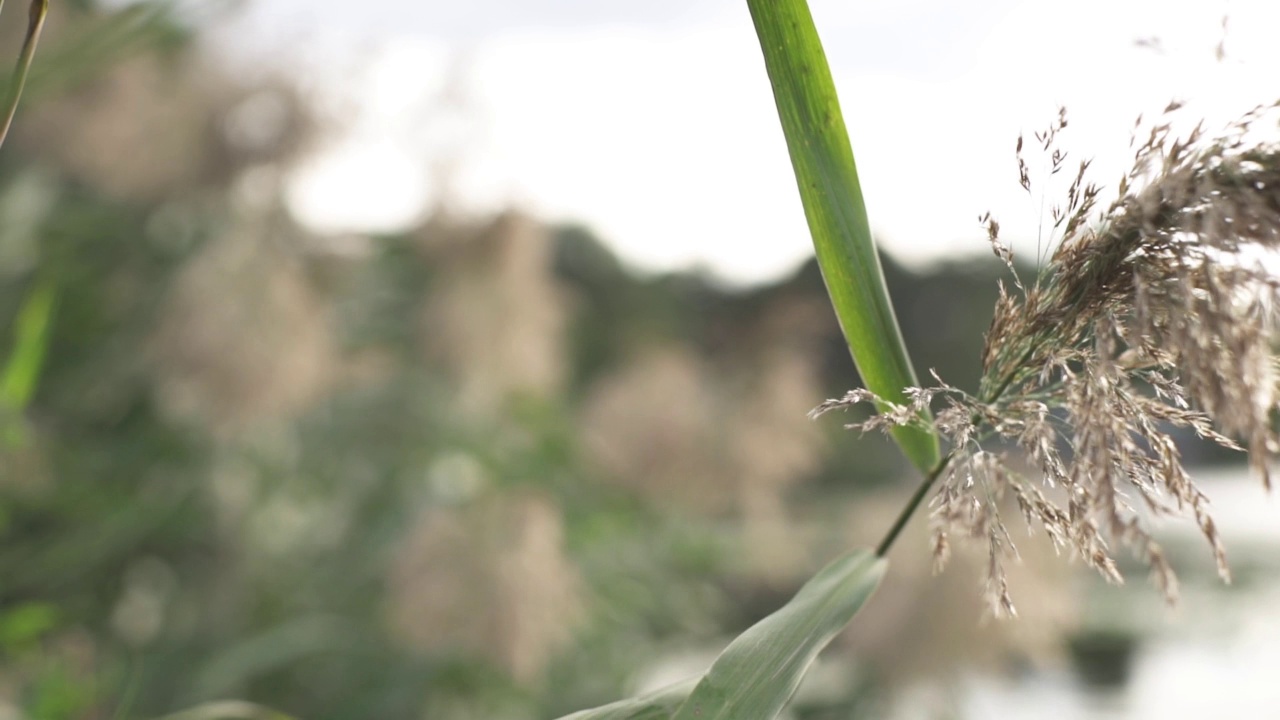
column 479, row 469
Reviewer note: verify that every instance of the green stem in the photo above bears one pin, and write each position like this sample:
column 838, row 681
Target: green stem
column 35, row 23
column 916, row 499
column 936, row 471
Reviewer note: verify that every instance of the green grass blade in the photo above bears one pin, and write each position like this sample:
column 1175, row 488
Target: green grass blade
column 657, row 705
column 31, row 340
column 756, row 675
column 833, row 204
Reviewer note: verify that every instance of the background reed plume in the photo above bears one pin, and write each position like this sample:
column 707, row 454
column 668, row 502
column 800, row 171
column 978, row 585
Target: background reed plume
column 1151, row 314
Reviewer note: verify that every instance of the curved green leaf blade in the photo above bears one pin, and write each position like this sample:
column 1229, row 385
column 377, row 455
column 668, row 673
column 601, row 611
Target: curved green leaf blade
column 833, row 205
column 21, row 373
column 657, row 705
column 756, row 675
column 30, row 341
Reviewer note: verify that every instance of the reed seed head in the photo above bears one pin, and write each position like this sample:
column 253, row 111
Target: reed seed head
column 1154, row 313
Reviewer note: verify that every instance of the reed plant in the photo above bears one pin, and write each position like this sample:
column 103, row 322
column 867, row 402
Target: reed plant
column 1153, row 312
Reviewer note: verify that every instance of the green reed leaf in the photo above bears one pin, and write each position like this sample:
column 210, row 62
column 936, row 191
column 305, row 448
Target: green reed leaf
column 828, row 180
column 757, row 674
column 658, row 705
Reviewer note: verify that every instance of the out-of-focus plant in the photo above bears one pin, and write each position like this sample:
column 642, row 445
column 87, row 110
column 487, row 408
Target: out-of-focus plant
column 1154, row 313
column 22, row 372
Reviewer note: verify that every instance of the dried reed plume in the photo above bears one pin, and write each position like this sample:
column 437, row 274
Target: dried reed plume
column 1153, row 314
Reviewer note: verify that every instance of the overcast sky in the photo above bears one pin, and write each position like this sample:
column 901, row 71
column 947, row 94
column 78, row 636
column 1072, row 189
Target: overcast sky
column 652, row 121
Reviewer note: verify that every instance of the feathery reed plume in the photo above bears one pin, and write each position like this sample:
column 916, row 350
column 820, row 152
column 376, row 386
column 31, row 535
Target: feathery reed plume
column 1155, row 313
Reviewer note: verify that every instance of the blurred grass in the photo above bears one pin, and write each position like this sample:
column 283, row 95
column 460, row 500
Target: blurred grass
column 227, row 710
column 30, row 343
column 21, row 373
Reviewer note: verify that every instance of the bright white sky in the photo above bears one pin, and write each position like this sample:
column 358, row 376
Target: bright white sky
column 652, row 122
